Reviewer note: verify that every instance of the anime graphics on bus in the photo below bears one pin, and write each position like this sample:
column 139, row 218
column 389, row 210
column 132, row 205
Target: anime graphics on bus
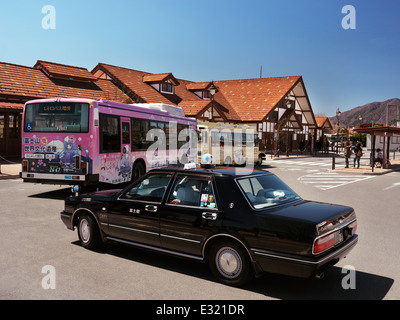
column 80, row 141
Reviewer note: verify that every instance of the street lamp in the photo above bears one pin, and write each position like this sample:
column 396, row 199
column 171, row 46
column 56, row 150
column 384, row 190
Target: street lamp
column 213, row 90
column 338, row 127
column 360, row 119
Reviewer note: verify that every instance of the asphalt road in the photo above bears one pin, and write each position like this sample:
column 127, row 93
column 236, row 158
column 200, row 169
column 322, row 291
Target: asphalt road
column 32, row 236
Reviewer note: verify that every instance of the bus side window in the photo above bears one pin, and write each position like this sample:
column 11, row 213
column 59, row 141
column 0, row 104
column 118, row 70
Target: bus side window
column 125, row 133
column 110, row 134
column 183, row 136
column 139, row 129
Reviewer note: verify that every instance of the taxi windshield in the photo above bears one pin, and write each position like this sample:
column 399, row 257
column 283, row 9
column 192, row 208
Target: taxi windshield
column 266, row 190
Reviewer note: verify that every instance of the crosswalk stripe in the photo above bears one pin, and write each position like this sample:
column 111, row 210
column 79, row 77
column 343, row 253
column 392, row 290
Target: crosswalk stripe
column 307, row 163
column 326, row 181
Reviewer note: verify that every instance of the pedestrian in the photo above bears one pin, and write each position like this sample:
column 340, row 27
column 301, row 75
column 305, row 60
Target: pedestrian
column 379, row 157
column 347, row 152
column 357, row 154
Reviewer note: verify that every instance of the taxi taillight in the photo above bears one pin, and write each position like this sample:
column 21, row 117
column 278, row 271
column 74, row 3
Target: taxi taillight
column 324, row 243
column 334, row 238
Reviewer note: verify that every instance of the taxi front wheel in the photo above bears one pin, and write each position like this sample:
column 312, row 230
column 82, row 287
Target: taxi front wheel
column 88, row 232
column 230, row 264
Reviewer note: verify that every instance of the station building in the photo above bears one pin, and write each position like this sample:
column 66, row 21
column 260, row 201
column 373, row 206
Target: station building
column 278, row 106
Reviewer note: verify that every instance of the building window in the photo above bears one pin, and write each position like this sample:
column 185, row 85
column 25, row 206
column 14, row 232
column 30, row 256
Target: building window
column 206, row 94
column 13, row 126
column 2, row 126
column 167, row 88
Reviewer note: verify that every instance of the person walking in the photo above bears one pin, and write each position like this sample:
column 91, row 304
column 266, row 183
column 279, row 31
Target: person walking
column 357, row 154
column 347, row 152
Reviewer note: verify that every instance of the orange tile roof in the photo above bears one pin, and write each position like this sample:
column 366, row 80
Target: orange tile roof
column 30, row 83
column 133, row 81
column 160, row 77
column 253, row 99
column 193, row 107
column 11, row 105
column 198, row 86
column 241, row 100
column 246, row 100
column 57, row 70
column 189, row 101
column 184, row 94
column 321, row 122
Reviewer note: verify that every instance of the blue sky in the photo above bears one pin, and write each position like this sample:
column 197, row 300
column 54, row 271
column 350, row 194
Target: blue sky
column 220, row 40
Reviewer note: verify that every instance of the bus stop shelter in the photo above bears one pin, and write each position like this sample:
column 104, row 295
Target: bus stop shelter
column 386, row 132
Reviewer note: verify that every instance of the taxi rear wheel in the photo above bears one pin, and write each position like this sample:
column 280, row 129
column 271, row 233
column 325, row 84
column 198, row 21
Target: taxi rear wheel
column 88, row 232
column 230, row 264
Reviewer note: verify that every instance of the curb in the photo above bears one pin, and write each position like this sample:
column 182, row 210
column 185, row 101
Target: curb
column 4, row 176
column 361, row 172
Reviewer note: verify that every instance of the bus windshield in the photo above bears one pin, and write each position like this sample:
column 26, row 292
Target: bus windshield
column 57, row 117
column 236, row 138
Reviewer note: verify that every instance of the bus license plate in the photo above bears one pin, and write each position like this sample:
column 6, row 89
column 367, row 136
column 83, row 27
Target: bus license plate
column 54, row 168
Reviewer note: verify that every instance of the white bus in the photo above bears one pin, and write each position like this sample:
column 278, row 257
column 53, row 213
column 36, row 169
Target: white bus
column 228, row 144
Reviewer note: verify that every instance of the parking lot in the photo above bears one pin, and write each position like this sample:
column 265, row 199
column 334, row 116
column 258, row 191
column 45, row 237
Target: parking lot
column 33, row 237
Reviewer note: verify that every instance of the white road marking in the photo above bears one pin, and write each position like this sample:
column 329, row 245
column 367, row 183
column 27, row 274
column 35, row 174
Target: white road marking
column 329, row 180
column 394, row 185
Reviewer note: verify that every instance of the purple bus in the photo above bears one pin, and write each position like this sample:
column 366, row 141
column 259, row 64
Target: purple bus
column 81, row 141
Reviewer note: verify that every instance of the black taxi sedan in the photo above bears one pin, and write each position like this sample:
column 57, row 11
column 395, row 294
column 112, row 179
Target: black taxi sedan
column 242, row 223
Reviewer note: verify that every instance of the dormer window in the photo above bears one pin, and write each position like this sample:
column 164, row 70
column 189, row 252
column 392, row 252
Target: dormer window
column 202, row 89
column 206, row 94
column 162, row 82
column 167, row 88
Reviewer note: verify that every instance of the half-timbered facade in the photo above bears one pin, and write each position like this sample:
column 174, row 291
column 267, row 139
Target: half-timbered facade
column 279, row 106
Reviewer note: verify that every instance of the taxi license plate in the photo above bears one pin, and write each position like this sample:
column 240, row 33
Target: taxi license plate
column 339, row 237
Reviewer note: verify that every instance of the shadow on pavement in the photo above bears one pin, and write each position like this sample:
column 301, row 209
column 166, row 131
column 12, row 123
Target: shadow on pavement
column 59, row 194
column 368, row 286
column 62, row 193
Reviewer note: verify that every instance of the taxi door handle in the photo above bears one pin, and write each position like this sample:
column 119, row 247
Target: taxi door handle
column 150, row 208
column 209, row 215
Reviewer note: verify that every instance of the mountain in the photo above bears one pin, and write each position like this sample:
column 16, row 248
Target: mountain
column 374, row 112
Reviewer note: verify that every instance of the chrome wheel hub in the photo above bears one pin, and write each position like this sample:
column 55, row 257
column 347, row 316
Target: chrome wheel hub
column 228, row 262
column 84, row 230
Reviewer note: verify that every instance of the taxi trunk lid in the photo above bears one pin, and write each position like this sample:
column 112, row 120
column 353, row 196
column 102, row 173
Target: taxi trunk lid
column 323, row 216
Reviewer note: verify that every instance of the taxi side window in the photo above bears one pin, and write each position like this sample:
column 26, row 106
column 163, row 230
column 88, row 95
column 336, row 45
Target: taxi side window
column 150, row 189
column 193, row 191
